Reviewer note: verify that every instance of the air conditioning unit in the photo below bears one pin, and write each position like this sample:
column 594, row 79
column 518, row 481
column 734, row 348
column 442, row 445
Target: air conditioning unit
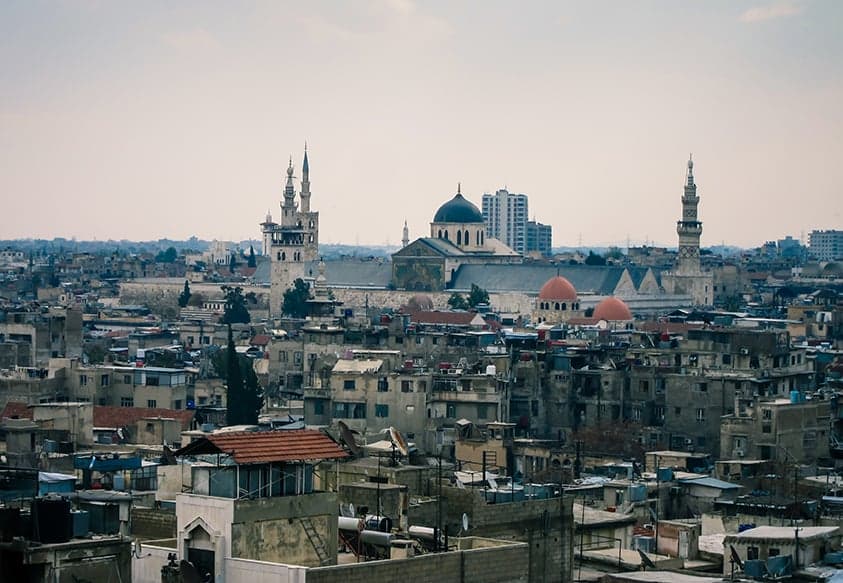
column 739, row 453
column 745, row 351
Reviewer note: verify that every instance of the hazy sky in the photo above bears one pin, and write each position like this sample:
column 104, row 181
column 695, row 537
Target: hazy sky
column 143, row 120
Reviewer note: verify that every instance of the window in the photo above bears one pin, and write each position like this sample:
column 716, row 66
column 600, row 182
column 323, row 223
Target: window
column 702, row 387
column 83, row 380
column 766, row 414
column 451, row 410
column 152, row 403
column 152, row 381
column 206, row 340
column 350, row 410
column 700, row 415
column 773, row 552
column 319, row 407
column 104, row 380
column 406, row 386
column 381, row 410
column 752, row 553
column 297, row 357
column 127, row 402
column 727, row 359
column 177, row 404
column 349, row 384
column 644, row 386
column 677, row 411
column 383, row 385
column 660, row 413
column 636, row 414
column 282, row 356
column 127, row 379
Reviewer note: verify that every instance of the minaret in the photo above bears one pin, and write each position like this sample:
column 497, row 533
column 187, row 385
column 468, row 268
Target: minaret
column 305, row 183
column 689, row 228
column 405, row 238
column 288, row 206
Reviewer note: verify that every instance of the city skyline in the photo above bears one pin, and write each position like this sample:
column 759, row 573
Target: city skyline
column 170, row 121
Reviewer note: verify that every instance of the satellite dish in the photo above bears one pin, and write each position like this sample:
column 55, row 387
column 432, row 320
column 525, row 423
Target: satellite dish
column 646, row 561
column 347, row 437
column 465, row 522
column 352, row 509
column 399, row 441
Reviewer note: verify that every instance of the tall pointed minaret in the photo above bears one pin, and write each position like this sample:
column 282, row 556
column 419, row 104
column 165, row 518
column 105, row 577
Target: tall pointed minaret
column 405, row 237
column 689, row 228
column 288, row 206
column 305, row 183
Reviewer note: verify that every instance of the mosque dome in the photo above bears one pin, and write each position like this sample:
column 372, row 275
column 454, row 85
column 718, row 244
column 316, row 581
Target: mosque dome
column 558, row 289
column 458, row 210
column 612, row 309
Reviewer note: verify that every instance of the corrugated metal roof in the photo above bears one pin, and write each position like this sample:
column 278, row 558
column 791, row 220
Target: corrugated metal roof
column 260, row 447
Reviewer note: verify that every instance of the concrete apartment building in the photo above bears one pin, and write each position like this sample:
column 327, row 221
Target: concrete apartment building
column 826, row 245
column 40, row 334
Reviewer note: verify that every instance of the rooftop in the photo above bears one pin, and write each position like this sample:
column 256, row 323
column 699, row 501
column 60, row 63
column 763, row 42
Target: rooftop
column 259, row 447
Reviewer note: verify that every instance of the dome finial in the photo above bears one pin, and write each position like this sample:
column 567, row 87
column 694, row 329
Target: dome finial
column 459, row 188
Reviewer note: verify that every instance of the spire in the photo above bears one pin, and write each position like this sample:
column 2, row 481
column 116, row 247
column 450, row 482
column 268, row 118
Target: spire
column 459, row 187
column 405, row 238
column 305, row 183
column 690, row 177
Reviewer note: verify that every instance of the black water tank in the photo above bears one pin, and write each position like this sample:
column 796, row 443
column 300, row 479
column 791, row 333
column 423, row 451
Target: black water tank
column 10, row 524
column 52, row 521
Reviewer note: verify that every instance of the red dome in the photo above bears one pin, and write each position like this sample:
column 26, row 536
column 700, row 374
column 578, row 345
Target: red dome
column 612, row 308
column 558, row 289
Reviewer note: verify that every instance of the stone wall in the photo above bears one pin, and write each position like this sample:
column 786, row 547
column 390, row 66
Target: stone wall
column 153, row 523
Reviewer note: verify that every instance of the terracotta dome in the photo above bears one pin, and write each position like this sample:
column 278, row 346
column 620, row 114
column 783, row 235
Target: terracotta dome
column 558, row 289
column 612, row 309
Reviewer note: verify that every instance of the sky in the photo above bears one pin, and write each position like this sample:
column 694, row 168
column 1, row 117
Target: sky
column 147, row 120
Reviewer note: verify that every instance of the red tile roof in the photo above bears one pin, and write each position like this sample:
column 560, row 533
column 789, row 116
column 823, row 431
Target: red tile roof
column 445, row 318
column 15, row 410
column 260, row 340
column 260, row 447
column 127, row 416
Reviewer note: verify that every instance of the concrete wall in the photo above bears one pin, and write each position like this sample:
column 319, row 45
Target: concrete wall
column 271, row 529
column 153, row 523
column 245, row 571
column 498, row 564
column 153, row 556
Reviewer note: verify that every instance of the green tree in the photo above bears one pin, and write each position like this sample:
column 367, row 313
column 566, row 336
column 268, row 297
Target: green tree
column 232, row 263
column 595, row 259
column 244, row 396
column 457, row 302
column 252, row 261
column 235, row 311
column 295, row 299
column 477, row 296
column 184, row 296
column 168, row 256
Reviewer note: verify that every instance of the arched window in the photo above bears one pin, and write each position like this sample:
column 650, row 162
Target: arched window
column 557, row 306
column 446, row 235
column 482, row 238
column 477, row 238
column 459, row 237
column 564, row 306
column 311, row 239
column 311, row 224
column 465, row 237
column 440, row 233
column 283, row 256
column 279, row 256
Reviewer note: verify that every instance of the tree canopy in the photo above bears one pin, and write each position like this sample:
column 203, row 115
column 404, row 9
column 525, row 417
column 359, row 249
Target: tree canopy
column 595, row 259
column 168, row 256
column 251, row 261
column 244, row 397
column 477, row 296
column 457, row 302
column 235, row 311
column 184, row 296
column 295, row 299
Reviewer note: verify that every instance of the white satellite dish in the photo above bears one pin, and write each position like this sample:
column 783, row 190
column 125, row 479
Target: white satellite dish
column 465, row 522
column 352, row 509
column 399, row 441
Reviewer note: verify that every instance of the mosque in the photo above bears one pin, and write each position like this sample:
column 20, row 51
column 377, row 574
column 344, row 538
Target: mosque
column 458, row 253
